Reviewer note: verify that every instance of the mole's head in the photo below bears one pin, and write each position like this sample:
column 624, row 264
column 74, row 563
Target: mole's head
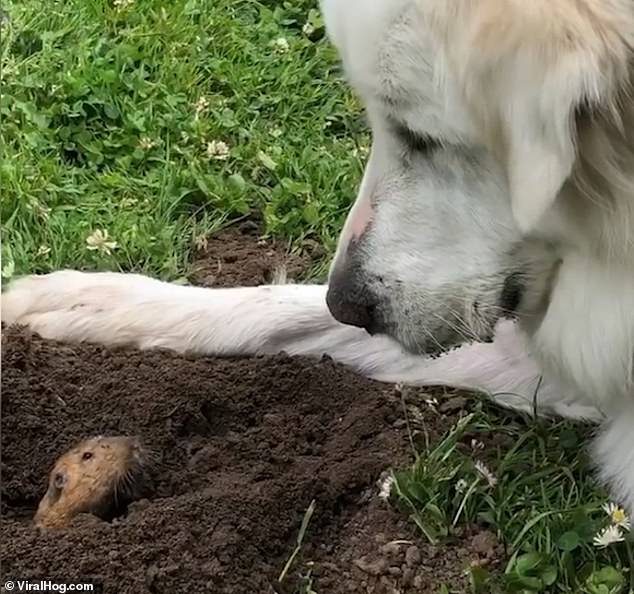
column 99, row 476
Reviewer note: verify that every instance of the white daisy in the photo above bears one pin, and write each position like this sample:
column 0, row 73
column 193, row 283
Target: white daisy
column 618, row 516
column 608, row 536
column 486, row 473
column 461, row 486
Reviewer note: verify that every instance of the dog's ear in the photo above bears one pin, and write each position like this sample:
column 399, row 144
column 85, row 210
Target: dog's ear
column 539, row 138
column 534, row 67
column 537, row 109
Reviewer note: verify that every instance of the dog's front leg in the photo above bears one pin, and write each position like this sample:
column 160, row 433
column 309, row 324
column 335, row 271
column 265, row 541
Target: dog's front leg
column 126, row 309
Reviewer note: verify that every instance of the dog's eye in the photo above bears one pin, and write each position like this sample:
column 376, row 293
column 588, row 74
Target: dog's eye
column 86, row 456
column 415, row 142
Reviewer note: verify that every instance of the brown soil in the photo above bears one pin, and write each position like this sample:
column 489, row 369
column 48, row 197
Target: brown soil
column 245, row 445
column 240, row 257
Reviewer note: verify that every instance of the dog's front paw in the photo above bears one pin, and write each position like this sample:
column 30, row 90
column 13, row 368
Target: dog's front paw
column 71, row 305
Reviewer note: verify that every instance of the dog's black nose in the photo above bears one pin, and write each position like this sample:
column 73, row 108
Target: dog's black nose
column 351, row 313
column 350, row 303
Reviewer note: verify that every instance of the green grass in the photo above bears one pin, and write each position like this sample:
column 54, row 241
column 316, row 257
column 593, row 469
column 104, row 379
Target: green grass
column 101, row 129
column 541, row 501
column 107, row 116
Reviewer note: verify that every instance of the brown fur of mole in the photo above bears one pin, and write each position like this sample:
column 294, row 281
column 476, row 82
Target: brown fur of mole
column 98, row 476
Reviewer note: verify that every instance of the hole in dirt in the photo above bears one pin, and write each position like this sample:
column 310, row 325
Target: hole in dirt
column 117, row 511
column 19, row 511
column 138, row 484
column 19, row 502
column 212, row 420
column 214, row 413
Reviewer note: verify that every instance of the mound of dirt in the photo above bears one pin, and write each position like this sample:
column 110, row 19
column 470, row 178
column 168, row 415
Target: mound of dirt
column 245, row 446
column 239, row 256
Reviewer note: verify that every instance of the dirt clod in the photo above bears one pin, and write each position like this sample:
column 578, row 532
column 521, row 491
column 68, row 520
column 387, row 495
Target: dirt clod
column 484, row 543
column 373, row 568
column 412, row 556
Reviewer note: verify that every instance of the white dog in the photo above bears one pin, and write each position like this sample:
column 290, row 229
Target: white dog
column 500, row 185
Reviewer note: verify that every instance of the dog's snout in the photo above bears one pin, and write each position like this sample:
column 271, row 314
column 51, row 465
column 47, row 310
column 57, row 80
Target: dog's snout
column 349, row 303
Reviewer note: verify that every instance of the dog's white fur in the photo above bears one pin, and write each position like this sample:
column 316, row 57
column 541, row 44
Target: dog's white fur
column 529, row 108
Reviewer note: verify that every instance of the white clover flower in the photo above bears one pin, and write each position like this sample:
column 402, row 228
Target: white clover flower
column 618, row 516
column 361, row 151
column 281, row 44
column 486, row 473
column 216, row 149
column 385, row 487
column 146, row 143
column 122, row 4
column 201, row 242
column 308, row 28
column 40, row 210
column 99, row 241
column 201, row 105
column 608, row 536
